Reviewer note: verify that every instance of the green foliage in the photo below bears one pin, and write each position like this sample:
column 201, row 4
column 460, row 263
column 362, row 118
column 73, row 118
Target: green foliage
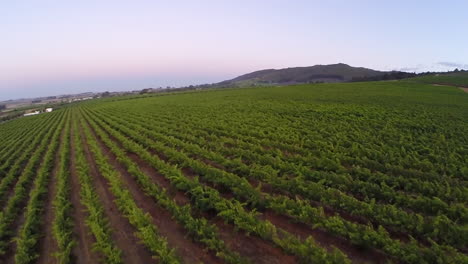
column 146, row 231
column 361, row 148
column 63, row 223
column 96, row 219
column 381, row 166
column 454, row 78
column 198, row 228
column 19, row 196
column 30, row 232
column 206, row 198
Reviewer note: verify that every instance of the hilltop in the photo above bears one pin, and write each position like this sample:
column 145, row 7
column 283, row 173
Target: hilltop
column 332, row 73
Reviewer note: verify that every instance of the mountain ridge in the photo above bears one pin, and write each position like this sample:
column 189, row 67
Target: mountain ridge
column 339, row 72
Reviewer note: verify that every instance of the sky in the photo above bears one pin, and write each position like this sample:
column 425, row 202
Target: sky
column 61, row 47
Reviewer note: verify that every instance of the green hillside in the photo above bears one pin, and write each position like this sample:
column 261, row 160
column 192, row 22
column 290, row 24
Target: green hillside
column 332, row 73
column 454, row 79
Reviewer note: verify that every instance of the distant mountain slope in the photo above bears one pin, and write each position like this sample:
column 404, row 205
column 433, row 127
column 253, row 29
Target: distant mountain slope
column 318, row 73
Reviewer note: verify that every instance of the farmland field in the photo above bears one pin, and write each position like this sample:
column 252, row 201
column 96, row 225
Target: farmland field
column 371, row 172
column 454, row 79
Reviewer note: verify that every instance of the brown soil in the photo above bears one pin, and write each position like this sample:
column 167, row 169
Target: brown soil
column 82, row 252
column 123, row 233
column 464, row 89
column 47, row 244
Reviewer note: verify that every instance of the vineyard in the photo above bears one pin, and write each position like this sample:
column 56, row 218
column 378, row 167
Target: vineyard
column 323, row 173
column 453, row 79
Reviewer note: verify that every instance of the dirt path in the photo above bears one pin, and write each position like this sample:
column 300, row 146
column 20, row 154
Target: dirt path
column 47, row 244
column 133, row 251
column 82, row 252
column 464, row 89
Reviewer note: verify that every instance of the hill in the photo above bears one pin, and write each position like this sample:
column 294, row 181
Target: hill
column 458, row 78
column 332, row 73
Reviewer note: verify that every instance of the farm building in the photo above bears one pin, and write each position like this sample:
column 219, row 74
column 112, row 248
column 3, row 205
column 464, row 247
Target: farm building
column 32, row 113
column 48, row 110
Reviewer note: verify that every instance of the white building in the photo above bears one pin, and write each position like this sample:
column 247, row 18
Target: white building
column 32, row 113
column 48, row 110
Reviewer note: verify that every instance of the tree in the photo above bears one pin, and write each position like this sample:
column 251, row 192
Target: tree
column 2, row 107
column 145, row 91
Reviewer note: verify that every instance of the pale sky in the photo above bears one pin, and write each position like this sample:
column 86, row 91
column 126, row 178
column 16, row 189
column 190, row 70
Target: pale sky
column 59, row 47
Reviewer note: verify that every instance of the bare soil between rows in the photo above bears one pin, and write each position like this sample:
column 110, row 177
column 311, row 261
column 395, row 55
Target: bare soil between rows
column 326, row 240
column 188, row 250
column 47, row 243
column 82, row 252
column 249, row 246
column 122, row 232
